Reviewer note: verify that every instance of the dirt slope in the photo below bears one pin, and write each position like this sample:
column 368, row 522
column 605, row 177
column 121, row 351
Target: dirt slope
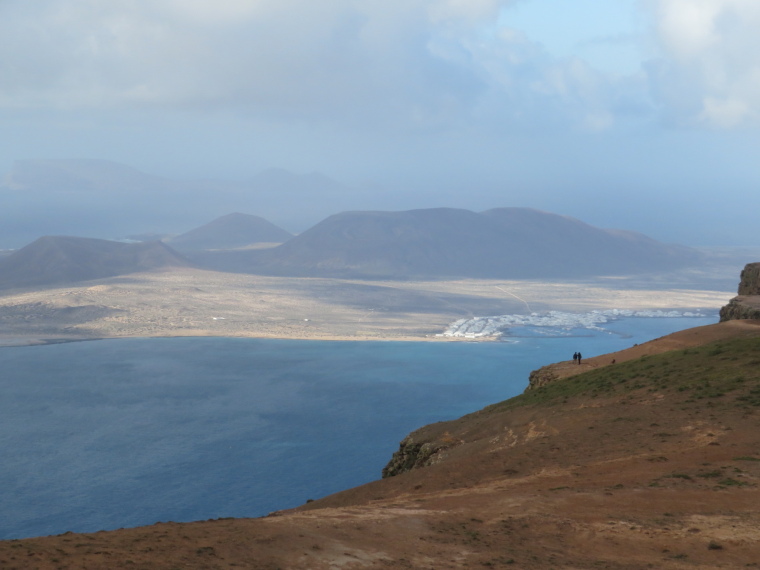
column 651, row 463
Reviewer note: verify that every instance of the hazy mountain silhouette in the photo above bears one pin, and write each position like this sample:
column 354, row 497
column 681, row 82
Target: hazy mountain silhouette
column 110, row 200
column 229, row 232
column 445, row 242
column 76, row 174
column 62, row 259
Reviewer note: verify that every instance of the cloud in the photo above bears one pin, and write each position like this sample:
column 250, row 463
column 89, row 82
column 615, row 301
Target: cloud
column 411, row 65
column 276, row 55
column 416, row 64
column 709, row 69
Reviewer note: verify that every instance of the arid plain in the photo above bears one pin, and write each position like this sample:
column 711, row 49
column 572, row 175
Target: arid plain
column 194, row 302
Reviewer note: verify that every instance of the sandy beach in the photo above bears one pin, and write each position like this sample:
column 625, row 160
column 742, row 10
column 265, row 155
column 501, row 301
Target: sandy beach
column 192, row 302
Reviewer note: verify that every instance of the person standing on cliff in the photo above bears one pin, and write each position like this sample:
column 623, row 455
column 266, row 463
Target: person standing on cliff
column 579, row 358
column 575, row 357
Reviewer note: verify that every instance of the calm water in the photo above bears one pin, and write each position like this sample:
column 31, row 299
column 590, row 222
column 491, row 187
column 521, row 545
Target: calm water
column 118, row 433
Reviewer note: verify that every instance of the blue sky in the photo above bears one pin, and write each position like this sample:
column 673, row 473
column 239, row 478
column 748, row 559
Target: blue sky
column 611, row 38
column 637, row 114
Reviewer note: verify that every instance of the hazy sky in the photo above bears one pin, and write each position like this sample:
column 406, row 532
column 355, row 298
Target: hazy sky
column 641, row 114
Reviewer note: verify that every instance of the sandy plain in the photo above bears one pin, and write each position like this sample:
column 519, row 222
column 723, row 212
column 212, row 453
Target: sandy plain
column 194, row 302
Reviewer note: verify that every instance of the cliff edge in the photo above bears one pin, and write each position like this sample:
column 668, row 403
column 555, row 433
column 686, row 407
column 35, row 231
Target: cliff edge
column 745, row 306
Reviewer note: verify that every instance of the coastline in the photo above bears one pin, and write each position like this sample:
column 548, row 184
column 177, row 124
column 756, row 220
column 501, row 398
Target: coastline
column 30, row 340
column 198, row 303
column 38, row 341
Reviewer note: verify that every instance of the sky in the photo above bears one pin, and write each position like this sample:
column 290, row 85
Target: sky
column 635, row 114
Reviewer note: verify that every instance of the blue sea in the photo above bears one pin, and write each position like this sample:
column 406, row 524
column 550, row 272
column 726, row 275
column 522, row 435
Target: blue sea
column 120, row 433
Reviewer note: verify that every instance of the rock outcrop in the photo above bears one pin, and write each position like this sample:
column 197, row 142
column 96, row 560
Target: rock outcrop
column 541, row 377
column 413, row 454
column 746, row 305
column 750, row 280
column 741, row 307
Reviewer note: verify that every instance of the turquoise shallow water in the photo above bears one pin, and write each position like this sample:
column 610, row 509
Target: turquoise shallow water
column 118, row 433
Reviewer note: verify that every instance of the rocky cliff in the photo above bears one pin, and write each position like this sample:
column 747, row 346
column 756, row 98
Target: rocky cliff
column 746, row 305
column 413, row 454
column 543, row 376
column 750, row 280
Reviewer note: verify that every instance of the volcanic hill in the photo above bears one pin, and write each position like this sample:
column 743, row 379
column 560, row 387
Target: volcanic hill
column 444, row 242
column 230, row 232
column 63, row 259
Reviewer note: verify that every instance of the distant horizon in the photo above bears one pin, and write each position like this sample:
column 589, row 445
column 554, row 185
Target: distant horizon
column 642, row 115
column 380, row 199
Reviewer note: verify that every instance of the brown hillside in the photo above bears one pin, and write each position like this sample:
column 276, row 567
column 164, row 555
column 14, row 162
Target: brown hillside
column 651, row 463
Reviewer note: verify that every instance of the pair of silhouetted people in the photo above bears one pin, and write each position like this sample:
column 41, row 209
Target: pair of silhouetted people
column 577, row 357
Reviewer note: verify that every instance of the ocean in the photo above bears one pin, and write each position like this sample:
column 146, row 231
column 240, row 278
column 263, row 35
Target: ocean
column 119, row 433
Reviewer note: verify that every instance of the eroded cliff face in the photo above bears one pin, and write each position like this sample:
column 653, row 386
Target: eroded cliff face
column 413, row 454
column 750, row 280
column 742, row 307
column 541, row 377
column 746, row 305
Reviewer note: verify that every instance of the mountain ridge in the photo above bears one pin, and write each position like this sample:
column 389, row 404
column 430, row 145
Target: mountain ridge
column 52, row 260
column 449, row 242
column 433, row 243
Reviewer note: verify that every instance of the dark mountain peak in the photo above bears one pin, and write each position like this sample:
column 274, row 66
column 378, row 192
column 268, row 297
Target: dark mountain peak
column 229, row 232
column 450, row 242
column 65, row 259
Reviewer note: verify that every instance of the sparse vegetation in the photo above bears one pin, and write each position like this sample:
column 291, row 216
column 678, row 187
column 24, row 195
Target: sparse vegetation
column 710, row 474
column 681, row 476
column 729, row 482
column 736, row 380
